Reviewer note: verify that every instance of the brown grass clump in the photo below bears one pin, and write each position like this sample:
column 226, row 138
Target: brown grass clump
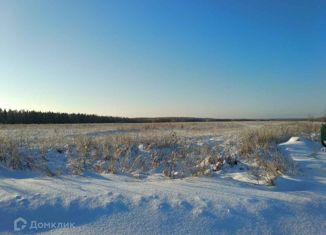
column 259, row 145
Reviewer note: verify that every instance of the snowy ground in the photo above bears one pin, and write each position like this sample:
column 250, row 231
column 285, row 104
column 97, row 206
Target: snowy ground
column 118, row 204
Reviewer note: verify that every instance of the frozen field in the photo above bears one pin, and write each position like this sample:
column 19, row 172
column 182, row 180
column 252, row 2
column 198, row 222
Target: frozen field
column 183, row 178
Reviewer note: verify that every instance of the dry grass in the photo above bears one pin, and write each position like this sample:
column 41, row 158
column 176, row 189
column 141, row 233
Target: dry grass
column 255, row 138
column 166, row 147
column 259, row 146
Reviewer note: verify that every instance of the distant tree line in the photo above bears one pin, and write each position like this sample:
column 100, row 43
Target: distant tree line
column 30, row 117
column 35, row 117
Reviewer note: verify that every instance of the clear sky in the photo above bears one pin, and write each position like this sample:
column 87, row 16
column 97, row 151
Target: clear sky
column 237, row 59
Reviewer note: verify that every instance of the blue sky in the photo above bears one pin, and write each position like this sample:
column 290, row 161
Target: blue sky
column 136, row 58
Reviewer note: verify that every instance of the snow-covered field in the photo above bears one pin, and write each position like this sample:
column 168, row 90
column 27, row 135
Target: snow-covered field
column 230, row 200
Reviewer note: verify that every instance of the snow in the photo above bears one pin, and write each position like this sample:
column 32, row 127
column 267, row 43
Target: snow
column 311, row 161
column 293, row 140
column 120, row 204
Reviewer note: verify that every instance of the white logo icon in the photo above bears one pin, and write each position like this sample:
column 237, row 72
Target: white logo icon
column 19, row 224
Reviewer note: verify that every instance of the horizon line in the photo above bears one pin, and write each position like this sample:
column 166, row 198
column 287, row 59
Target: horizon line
column 177, row 117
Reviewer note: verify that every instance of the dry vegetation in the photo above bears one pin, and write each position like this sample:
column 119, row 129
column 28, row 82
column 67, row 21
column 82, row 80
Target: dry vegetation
column 142, row 149
column 259, row 146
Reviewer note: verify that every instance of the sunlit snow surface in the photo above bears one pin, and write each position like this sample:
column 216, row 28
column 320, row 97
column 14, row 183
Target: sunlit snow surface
column 117, row 204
